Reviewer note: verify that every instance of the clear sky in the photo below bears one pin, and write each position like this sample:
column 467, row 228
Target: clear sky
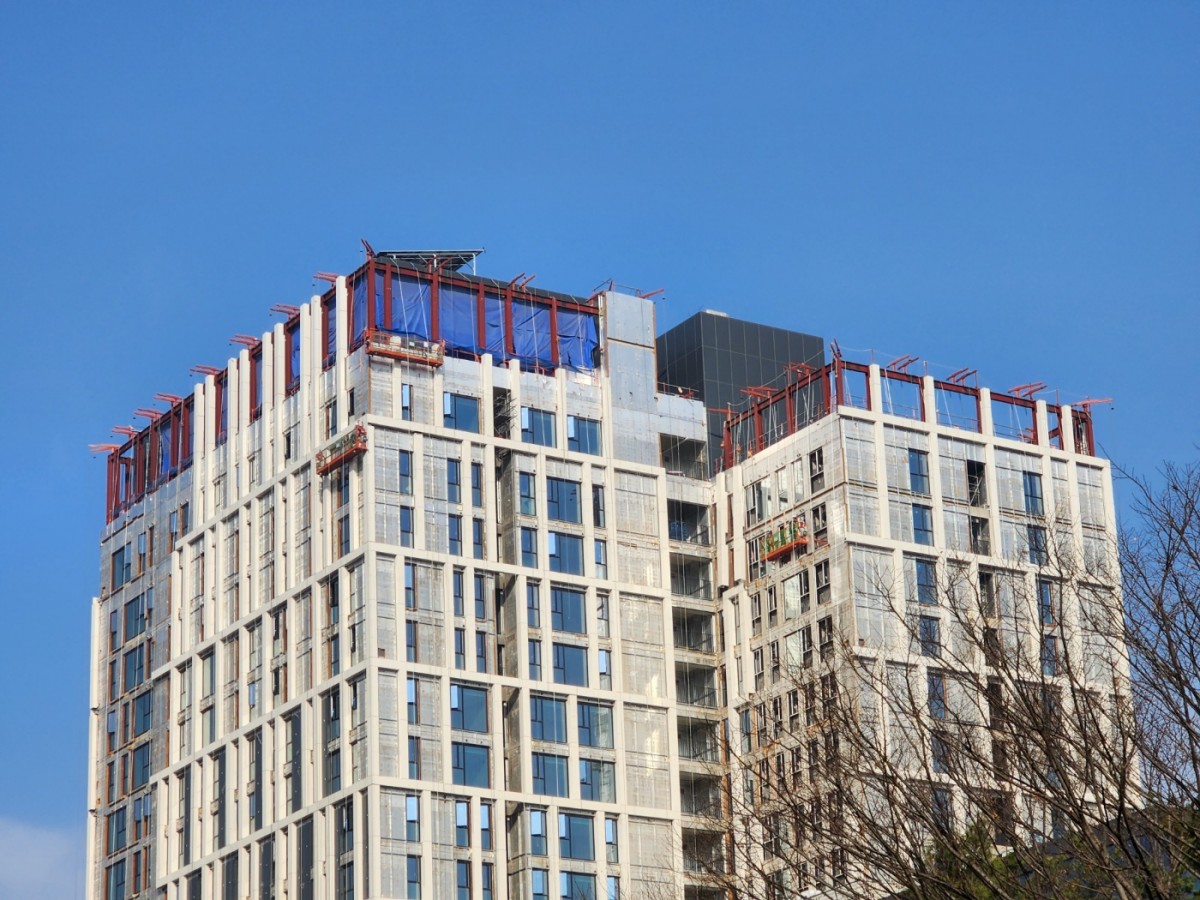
column 1012, row 187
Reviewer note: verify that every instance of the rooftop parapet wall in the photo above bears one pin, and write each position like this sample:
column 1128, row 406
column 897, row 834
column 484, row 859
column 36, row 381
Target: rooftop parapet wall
column 812, row 393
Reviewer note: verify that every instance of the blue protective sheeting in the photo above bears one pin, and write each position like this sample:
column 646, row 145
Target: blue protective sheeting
column 330, row 312
column 578, row 339
column 358, row 308
column 379, row 313
column 164, row 449
column 293, row 343
column 410, row 306
column 531, row 332
column 456, row 317
column 493, row 326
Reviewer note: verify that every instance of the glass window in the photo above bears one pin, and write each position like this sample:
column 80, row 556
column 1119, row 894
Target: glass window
column 141, row 766
column 816, row 469
column 135, row 617
column 595, row 724
column 410, row 641
column 414, row 757
column 537, row 426
column 535, row 660
column 412, row 818
column 939, row 752
column 460, row 412
column 462, row 823
column 918, row 471
column 577, row 886
column 470, row 764
column 538, row 845
column 926, row 580
column 406, row 483
column 485, row 826
column 477, row 538
column 406, row 411
column 462, row 879
column 135, row 667
column 481, row 611
column 454, row 535
column 1039, row 552
column 414, row 701
column 597, row 780
column 567, row 609
column 1049, row 655
column 548, row 718
column 1034, row 504
column 1047, row 607
column 550, row 774
column 598, row 505
column 457, row 578
column 929, row 632
column 469, row 708
column 922, row 524
column 576, row 836
column 406, row 526
column 600, row 549
column 412, row 878
column 481, row 651
column 562, row 500
column 527, row 484
column 979, row 537
column 142, row 714
column 477, row 485
column 566, row 553
column 610, row 840
column 454, row 481
column 583, row 435
column 570, row 665
column 533, row 604
column 410, row 586
column 936, row 682
column 529, row 547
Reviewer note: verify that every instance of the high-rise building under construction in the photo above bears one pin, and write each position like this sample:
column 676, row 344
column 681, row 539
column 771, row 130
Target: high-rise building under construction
column 446, row 587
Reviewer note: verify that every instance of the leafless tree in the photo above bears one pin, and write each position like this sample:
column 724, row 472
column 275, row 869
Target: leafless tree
column 1013, row 730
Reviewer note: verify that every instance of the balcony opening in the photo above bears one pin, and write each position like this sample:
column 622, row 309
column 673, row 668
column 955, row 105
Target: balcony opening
column 693, row 630
column 681, row 456
column 696, row 685
column 699, row 739
column 691, row 578
column 688, row 523
column 700, row 795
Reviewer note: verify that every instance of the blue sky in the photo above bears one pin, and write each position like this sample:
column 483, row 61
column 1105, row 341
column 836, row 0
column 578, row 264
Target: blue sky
column 1013, row 187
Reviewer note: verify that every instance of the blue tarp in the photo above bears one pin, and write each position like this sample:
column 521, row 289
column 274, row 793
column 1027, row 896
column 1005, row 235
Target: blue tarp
column 223, row 412
column 410, row 306
column 493, row 326
column 358, row 308
column 379, row 312
column 293, row 345
column 577, row 339
column 456, row 317
column 164, row 449
column 531, row 332
column 330, row 329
